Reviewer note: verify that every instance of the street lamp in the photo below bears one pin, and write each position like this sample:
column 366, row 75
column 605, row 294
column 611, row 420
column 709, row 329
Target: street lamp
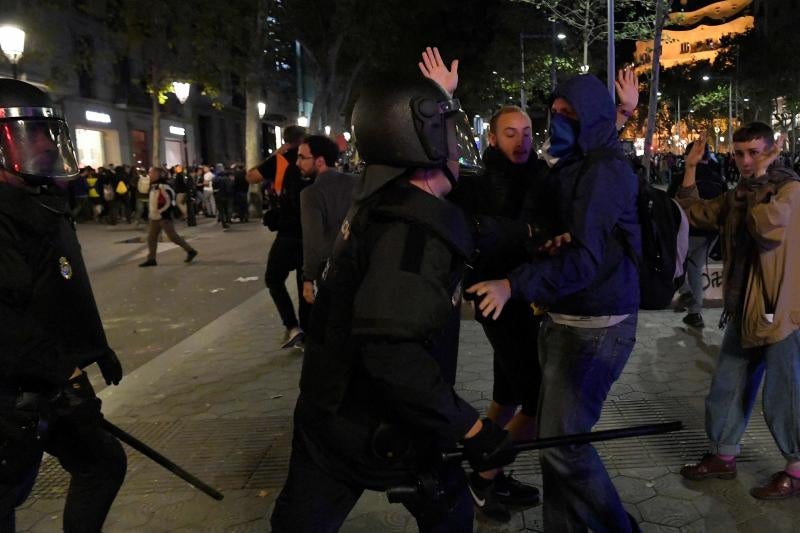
column 12, row 41
column 181, row 90
column 327, row 130
column 552, row 36
column 262, row 109
column 302, row 121
column 706, row 77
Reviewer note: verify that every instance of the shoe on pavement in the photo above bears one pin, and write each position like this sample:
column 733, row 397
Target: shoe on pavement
column 710, row 466
column 694, row 320
column 781, row 486
column 294, row 337
column 149, row 263
column 190, row 255
column 510, row 491
column 485, row 500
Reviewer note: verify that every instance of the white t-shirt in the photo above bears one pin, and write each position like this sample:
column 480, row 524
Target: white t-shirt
column 207, row 177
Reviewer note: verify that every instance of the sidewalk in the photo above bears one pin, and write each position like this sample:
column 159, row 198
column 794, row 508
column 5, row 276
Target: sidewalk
column 220, row 402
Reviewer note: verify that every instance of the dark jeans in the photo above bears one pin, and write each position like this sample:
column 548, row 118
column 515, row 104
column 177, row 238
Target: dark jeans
column 223, row 208
column 96, row 463
column 579, row 365
column 314, row 501
column 285, row 255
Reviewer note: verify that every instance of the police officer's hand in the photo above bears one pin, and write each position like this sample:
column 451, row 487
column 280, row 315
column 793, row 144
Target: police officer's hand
column 77, row 403
column 110, row 367
column 493, row 296
column 490, row 448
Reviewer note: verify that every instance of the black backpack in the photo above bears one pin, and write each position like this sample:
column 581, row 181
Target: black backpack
column 660, row 220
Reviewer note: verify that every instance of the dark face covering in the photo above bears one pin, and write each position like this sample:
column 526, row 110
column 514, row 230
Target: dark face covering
column 563, row 135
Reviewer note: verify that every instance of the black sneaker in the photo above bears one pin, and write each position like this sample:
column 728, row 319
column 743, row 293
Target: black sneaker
column 485, row 500
column 694, row 320
column 510, row 491
column 294, row 338
column 190, row 255
column 149, row 263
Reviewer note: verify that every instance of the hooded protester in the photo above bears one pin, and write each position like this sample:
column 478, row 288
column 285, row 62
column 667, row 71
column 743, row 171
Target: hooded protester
column 591, row 290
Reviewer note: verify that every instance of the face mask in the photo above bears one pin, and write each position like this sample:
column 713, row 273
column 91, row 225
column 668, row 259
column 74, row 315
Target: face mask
column 549, row 159
column 563, row 135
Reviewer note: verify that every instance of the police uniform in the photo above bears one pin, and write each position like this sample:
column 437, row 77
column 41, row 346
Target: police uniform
column 51, row 325
column 376, row 404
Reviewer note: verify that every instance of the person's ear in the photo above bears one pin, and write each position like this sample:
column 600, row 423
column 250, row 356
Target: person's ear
column 492, row 139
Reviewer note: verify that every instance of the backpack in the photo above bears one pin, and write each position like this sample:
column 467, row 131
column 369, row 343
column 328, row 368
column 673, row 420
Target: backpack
column 143, row 185
column 660, row 265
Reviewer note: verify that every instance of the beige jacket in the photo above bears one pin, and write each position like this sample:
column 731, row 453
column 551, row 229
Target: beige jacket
column 773, row 284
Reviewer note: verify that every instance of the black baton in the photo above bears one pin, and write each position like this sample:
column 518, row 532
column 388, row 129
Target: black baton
column 149, row 452
column 582, row 438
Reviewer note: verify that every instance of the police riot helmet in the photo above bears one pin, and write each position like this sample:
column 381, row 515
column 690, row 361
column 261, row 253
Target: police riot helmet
column 34, row 138
column 414, row 124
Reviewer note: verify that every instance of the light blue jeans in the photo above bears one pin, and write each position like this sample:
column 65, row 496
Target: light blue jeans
column 579, row 365
column 735, row 385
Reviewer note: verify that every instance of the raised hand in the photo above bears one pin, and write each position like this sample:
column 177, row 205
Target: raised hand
column 695, row 155
column 492, row 295
column 766, row 158
column 432, row 67
column 627, row 85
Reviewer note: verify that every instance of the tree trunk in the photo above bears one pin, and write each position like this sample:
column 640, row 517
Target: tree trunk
column 653, row 101
column 253, row 86
column 156, row 156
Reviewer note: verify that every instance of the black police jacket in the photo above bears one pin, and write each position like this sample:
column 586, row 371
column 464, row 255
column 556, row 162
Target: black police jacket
column 50, row 322
column 383, row 340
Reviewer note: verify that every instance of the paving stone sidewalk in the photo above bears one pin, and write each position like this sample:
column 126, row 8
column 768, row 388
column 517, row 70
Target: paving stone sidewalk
column 220, row 403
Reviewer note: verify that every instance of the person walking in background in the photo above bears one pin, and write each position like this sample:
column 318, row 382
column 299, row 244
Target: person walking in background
column 161, row 209
column 323, row 205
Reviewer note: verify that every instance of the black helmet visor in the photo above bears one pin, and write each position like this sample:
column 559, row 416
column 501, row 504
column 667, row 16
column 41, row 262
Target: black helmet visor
column 37, row 146
column 461, row 145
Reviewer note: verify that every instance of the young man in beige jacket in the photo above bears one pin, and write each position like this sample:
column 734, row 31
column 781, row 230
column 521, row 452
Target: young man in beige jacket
column 757, row 222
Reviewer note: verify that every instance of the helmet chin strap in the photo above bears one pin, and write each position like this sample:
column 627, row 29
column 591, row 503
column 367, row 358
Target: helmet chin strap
column 450, row 176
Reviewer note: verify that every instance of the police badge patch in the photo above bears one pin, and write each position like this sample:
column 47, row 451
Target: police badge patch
column 65, row 268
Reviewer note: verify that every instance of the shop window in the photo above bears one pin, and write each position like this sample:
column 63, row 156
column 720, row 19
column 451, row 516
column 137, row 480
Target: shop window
column 90, row 147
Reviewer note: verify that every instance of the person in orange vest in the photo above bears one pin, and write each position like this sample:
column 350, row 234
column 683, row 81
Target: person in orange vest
column 282, row 183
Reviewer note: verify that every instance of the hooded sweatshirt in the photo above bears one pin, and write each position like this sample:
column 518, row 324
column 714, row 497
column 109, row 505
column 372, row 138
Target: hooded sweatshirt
column 597, row 205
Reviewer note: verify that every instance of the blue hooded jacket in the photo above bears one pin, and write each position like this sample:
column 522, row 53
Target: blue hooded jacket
column 597, row 204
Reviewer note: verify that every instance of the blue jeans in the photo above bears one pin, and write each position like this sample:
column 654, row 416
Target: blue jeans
column 735, row 385
column 579, row 365
column 696, row 258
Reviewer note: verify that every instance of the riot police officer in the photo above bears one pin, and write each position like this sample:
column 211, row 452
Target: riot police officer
column 51, row 328
column 377, row 402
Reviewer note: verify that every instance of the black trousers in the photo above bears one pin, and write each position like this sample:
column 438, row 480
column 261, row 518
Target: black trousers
column 285, row 255
column 312, row 501
column 96, row 463
column 517, row 373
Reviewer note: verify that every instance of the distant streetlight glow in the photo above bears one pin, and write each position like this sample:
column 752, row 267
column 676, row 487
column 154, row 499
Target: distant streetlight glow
column 327, row 130
column 262, row 109
column 746, row 99
column 181, row 90
column 302, row 121
column 346, row 136
column 706, row 77
column 561, row 36
column 12, row 41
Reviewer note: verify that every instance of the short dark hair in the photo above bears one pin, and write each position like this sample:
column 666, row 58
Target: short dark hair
column 321, row 146
column 752, row 131
column 504, row 111
column 294, row 134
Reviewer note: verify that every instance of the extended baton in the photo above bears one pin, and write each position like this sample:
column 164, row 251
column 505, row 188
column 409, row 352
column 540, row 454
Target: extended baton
column 149, row 452
column 582, row 438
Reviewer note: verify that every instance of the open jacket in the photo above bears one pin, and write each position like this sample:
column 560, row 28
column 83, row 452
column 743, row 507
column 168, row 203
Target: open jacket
column 773, row 282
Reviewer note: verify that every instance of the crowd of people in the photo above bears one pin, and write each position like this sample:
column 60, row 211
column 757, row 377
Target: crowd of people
column 550, row 251
column 115, row 193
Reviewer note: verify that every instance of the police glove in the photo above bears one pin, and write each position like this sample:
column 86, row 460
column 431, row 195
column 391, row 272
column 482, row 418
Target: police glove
column 110, row 367
column 77, row 403
column 490, row 448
